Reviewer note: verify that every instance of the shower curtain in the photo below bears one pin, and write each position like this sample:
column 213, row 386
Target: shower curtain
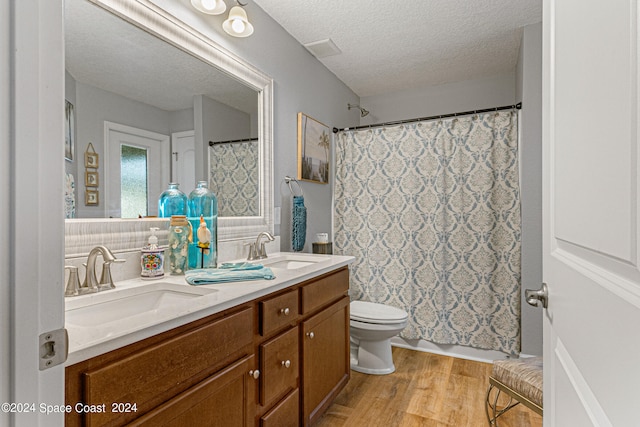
column 431, row 211
column 233, row 177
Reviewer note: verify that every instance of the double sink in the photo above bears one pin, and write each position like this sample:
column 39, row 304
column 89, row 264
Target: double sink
column 141, row 303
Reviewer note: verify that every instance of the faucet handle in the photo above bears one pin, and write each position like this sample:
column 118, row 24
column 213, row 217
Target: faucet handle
column 73, row 283
column 252, row 251
column 263, row 251
column 106, row 281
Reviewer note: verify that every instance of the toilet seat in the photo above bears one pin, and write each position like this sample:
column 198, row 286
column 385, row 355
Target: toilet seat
column 370, row 312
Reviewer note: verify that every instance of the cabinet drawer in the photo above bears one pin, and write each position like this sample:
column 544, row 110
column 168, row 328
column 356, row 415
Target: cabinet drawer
column 223, row 400
column 279, row 366
column 325, row 290
column 278, row 311
column 148, row 377
column 285, row 414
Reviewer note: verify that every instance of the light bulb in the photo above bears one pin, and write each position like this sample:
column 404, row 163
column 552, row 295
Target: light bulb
column 237, row 25
column 209, row 4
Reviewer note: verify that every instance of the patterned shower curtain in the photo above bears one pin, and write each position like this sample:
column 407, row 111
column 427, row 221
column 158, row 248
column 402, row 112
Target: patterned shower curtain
column 233, row 177
column 431, row 211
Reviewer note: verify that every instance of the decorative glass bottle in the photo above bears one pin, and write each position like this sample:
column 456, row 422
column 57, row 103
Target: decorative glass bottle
column 202, row 212
column 180, row 236
column 172, row 202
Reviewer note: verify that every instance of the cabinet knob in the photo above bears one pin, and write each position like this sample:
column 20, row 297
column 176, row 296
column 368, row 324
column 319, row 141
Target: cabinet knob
column 311, row 335
column 255, row 374
column 285, row 311
column 286, row 363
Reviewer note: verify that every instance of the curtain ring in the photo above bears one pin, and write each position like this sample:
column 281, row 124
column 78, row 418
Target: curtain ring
column 288, row 180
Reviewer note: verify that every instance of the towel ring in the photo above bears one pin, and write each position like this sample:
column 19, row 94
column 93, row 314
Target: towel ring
column 288, row 180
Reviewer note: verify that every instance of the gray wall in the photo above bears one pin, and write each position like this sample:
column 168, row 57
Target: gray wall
column 93, row 107
column 302, row 84
column 529, row 77
column 486, row 92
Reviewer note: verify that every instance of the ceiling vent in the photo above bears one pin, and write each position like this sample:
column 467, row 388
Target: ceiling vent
column 322, row 48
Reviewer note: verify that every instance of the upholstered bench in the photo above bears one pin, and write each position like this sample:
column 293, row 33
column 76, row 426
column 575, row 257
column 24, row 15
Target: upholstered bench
column 521, row 380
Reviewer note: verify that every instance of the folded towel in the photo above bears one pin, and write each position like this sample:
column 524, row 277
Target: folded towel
column 228, row 272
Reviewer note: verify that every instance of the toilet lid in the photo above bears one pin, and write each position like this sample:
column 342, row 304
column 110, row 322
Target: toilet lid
column 371, row 312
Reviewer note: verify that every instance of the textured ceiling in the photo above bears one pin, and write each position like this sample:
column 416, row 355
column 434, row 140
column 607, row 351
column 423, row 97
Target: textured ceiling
column 390, row 45
column 104, row 51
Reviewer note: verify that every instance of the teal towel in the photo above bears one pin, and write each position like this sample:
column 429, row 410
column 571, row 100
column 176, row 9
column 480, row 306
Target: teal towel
column 228, row 272
column 299, row 224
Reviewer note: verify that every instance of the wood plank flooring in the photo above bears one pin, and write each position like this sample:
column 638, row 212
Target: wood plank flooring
column 426, row 390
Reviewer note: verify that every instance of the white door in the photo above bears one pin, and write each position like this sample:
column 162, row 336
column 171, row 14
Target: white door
column 183, row 160
column 31, row 215
column 155, row 147
column 590, row 131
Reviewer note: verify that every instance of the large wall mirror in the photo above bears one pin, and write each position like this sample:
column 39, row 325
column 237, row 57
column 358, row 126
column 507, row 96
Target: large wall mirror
column 161, row 103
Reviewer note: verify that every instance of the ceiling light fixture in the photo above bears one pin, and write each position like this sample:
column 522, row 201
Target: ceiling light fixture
column 238, row 25
column 210, row 7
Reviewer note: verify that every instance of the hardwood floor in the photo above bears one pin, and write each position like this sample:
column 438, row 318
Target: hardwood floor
column 426, row 390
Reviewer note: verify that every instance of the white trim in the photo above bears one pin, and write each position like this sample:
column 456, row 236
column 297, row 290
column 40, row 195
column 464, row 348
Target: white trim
column 156, row 21
column 589, row 401
column 458, row 351
column 35, row 240
column 165, row 165
column 625, row 289
column 5, row 211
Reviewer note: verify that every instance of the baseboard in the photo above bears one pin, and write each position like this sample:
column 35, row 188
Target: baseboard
column 459, row 351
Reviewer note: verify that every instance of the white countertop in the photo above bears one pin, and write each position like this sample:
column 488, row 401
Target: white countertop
column 86, row 342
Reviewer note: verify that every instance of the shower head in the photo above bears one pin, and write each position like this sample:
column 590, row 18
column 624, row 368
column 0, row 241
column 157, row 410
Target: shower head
column 363, row 112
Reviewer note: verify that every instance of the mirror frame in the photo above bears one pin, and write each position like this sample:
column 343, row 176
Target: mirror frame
column 122, row 234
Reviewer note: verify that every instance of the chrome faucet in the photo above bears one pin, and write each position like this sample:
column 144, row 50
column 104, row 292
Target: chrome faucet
column 257, row 249
column 261, row 252
column 91, row 283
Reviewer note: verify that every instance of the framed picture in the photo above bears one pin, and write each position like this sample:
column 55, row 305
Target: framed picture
column 314, row 149
column 69, row 130
column 91, row 158
column 91, row 178
column 91, row 197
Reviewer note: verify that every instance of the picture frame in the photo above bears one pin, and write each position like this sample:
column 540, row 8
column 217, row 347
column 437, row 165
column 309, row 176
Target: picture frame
column 91, row 158
column 91, row 197
column 91, row 179
column 69, row 130
column 314, row 150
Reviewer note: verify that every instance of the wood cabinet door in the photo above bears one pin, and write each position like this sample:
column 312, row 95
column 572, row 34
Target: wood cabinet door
column 225, row 399
column 325, row 358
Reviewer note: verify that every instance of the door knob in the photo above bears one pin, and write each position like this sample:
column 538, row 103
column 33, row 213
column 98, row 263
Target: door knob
column 541, row 295
column 255, row 374
column 286, row 363
column 311, row 335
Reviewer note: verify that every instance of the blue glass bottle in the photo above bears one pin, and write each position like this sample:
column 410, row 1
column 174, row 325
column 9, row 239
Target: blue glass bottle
column 202, row 213
column 172, row 202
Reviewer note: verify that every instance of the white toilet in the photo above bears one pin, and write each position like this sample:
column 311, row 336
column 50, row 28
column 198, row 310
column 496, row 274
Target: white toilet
column 372, row 326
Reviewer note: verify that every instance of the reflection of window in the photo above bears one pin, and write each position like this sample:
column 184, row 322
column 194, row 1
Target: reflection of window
column 133, row 181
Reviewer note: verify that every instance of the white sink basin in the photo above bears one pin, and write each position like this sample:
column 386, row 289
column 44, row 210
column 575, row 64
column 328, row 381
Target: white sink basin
column 118, row 304
column 292, row 262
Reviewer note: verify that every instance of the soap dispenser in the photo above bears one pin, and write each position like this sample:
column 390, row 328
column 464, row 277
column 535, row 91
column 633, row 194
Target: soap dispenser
column 152, row 258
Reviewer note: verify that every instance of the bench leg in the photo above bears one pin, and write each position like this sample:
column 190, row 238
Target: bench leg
column 491, row 406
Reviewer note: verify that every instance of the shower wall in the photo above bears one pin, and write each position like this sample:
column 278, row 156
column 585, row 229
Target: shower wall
column 491, row 91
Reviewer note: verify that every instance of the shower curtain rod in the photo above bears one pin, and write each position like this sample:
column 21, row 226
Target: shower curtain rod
column 231, row 141
column 517, row 106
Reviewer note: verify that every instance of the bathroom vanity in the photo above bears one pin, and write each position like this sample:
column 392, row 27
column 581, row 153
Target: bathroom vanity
column 260, row 353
